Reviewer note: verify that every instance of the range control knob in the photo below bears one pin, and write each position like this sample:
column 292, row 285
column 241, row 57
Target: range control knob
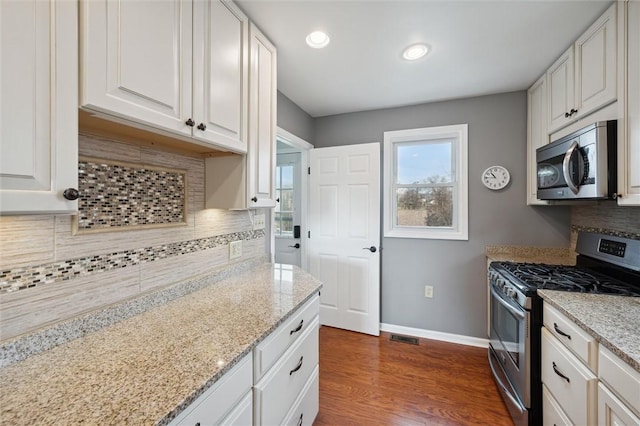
column 512, row 294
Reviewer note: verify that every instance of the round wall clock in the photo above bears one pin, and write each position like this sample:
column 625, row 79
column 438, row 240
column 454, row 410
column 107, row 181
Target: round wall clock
column 496, row 177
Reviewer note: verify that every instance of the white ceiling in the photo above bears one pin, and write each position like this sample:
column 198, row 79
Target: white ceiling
column 478, row 47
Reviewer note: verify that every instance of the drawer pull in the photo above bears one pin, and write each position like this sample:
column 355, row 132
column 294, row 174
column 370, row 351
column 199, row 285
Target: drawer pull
column 298, row 367
column 555, row 368
column 560, row 332
column 298, row 328
column 300, row 420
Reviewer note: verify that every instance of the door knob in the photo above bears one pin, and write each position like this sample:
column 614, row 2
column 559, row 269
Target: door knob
column 372, row 249
column 297, row 245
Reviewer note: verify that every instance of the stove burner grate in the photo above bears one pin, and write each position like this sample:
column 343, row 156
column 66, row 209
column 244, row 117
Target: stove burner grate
column 566, row 278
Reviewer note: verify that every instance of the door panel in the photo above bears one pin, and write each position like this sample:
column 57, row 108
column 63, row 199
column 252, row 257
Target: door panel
column 344, row 223
column 139, row 65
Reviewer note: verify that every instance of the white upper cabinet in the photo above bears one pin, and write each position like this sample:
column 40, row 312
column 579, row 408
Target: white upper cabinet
column 220, row 73
column 560, row 91
column 136, row 61
column 174, row 67
column 248, row 181
column 38, row 106
column 583, row 79
column 536, row 134
column 629, row 103
column 261, row 156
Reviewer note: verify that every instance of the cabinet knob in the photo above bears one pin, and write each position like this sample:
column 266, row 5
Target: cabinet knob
column 573, row 111
column 202, row 126
column 254, row 199
column 278, row 200
column 190, row 122
column 567, row 115
column 71, row 194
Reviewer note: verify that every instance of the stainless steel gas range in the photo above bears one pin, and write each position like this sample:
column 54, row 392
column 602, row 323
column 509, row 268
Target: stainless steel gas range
column 605, row 264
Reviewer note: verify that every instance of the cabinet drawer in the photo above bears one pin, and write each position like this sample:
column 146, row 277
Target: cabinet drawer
column 218, row 401
column 620, row 377
column 579, row 341
column 305, row 409
column 570, row 382
column 612, row 411
column 552, row 414
column 274, row 395
column 270, row 349
column 242, row 414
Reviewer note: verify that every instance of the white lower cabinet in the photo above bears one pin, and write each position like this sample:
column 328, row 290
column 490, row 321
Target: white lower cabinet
column 225, row 402
column 612, row 411
column 277, row 383
column 552, row 413
column 570, row 382
column 277, row 391
column 305, row 408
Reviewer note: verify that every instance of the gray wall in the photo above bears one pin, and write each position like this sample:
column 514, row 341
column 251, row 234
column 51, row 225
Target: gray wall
column 294, row 119
column 456, row 269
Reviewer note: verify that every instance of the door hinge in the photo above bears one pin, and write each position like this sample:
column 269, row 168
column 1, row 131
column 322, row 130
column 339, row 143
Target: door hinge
column 308, row 234
column 309, row 170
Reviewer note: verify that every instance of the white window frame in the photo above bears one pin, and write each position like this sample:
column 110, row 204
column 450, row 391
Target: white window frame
column 460, row 229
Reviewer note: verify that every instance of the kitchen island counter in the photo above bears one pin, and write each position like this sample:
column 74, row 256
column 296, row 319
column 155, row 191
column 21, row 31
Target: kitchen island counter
column 148, row 368
column 613, row 320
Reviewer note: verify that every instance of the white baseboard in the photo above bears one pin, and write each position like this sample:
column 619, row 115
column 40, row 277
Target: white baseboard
column 435, row 335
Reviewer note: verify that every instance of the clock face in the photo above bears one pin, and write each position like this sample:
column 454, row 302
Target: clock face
column 496, row 177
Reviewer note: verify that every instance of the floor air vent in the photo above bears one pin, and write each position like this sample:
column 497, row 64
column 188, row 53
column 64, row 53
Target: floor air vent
column 404, row 339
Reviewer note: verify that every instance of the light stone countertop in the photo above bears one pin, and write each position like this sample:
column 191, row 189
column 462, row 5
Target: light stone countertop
column 613, row 320
column 548, row 255
column 146, row 369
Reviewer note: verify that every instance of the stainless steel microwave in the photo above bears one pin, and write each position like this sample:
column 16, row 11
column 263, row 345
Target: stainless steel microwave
column 579, row 166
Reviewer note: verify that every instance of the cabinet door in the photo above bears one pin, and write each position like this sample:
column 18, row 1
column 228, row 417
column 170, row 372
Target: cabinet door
column 537, row 135
column 629, row 93
column 220, row 74
column 596, row 64
column 262, row 121
column 612, row 411
column 136, row 61
column 38, row 106
column 560, row 81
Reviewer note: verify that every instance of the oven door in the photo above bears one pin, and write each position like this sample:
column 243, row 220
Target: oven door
column 510, row 341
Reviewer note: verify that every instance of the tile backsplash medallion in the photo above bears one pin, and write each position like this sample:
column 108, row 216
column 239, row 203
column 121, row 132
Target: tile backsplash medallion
column 48, row 275
column 605, row 217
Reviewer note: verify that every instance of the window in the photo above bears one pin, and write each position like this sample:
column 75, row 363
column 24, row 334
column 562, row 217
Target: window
column 425, row 189
column 284, row 209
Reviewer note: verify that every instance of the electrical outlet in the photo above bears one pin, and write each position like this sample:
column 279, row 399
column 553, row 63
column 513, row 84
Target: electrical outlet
column 258, row 222
column 235, row 249
column 428, row 291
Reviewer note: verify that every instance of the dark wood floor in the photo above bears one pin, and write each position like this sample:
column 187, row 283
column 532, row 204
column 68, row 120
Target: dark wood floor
column 366, row 380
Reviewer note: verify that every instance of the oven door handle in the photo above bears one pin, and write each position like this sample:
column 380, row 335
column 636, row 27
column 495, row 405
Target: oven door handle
column 515, row 312
column 565, row 168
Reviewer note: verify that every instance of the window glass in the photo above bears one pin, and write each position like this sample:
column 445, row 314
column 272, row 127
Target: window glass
column 284, row 209
column 424, row 162
column 425, row 175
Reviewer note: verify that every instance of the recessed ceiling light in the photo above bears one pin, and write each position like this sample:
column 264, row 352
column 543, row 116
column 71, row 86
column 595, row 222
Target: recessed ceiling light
column 415, row 51
column 317, row 39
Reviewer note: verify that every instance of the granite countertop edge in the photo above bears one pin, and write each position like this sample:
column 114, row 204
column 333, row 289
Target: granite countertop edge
column 627, row 348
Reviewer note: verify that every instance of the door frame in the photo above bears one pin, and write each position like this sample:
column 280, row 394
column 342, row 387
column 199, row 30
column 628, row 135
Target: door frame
column 299, row 145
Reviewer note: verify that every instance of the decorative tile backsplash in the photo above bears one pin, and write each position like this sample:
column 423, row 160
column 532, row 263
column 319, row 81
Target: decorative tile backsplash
column 22, row 278
column 607, row 217
column 118, row 196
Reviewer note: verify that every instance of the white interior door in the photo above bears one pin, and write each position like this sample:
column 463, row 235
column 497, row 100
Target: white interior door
column 288, row 209
column 344, row 217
